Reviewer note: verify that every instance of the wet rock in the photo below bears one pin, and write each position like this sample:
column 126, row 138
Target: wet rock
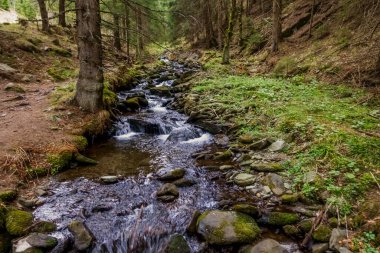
column 177, row 244
column 184, row 182
column 337, row 235
column 277, row 146
column 167, row 174
column 184, row 134
column 109, row 179
column 322, row 233
column 320, row 248
column 42, row 241
column 17, row 222
column 291, row 230
column 260, row 145
column 167, row 193
column 8, row 195
column 82, row 236
column 267, row 167
column 246, row 139
column 22, row 246
column 28, row 203
column 209, row 126
column 244, row 179
column 227, row 227
column 84, row 160
column 282, row 219
column 134, row 103
column 192, row 226
column 267, row 245
column 146, row 126
column 14, row 87
column 251, row 210
column 275, row 183
column 161, row 90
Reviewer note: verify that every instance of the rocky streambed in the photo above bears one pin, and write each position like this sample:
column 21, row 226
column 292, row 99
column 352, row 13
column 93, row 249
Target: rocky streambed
column 167, row 182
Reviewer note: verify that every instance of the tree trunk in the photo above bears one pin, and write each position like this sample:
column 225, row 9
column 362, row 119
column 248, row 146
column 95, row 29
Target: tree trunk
column 127, row 29
column 241, row 23
column 229, row 33
column 44, row 15
column 89, row 88
column 116, row 32
column 276, row 34
column 140, row 43
column 62, row 14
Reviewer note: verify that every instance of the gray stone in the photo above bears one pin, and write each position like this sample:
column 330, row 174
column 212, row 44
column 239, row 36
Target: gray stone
column 244, row 179
column 14, row 87
column 167, row 174
column 28, row 203
column 184, row 182
column 6, row 71
column 226, row 167
column 109, row 179
column 267, row 167
column 277, row 146
column 167, row 193
column 337, row 235
column 320, row 248
column 275, row 183
column 344, row 250
column 259, row 145
column 21, row 246
column 42, row 241
column 265, row 246
column 227, row 227
column 82, row 236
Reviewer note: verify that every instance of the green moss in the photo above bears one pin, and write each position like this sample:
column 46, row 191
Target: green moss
column 109, row 97
column 98, row 124
column 44, row 227
column 247, row 209
column 3, row 214
column 305, row 225
column 61, row 51
column 333, row 222
column 282, row 219
column 63, row 94
column 322, row 233
column 17, row 222
column 59, row 162
column 37, row 172
column 8, row 195
column 80, row 142
column 290, row 198
column 291, row 230
column 62, row 70
column 225, row 155
column 177, row 244
column 246, row 227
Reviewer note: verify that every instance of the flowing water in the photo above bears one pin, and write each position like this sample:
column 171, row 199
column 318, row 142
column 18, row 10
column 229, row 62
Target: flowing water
column 126, row 216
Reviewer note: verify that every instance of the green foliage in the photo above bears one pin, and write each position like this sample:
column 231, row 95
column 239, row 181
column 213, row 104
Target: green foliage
column 4, row 4
column 27, row 8
column 109, row 97
column 366, row 243
column 63, row 94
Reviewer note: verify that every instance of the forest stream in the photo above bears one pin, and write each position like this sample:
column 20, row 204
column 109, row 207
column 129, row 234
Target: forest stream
column 122, row 211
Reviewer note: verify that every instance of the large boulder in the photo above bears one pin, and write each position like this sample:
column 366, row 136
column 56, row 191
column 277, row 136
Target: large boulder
column 265, row 246
column 184, row 134
column 17, row 222
column 227, row 227
column 82, row 236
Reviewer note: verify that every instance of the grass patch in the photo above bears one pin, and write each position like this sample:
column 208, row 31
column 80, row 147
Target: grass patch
column 62, row 70
column 329, row 118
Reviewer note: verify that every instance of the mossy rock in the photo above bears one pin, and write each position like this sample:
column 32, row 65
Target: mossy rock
column 37, row 172
column 80, row 142
column 290, row 198
column 267, row 167
column 5, row 243
column 333, row 222
column 305, row 225
column 8, row 195
column 44, row 227
column 61, row 52
column 246, row 139
column 59, row 162
column 26, row 46
column 292, row 230
column 251, row 210
column 17, row 222
column 227, row 227
column 322, row 233
column 225, row 155
column 161, row 90
column 177, row 244
column 84, row 160
column 14, row 87
column 282, row 219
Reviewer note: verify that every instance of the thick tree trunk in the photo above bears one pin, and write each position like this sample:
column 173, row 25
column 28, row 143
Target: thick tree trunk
column 209, row 31
column 44, row 15
column 140, row 42
column 241, row 23
column 229, row 33
column 127, row 29
column 89, row 89
column 116, row 32
column 62, row 14
column 276, row 34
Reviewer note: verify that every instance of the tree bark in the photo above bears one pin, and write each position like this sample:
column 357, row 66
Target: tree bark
column 276, row 34
column 229, row 33
column 62, row 14
column 44, row 15
column 241, row 23
column 140, row 42
column 116, row 32
column 127, row 29
column 89, row 88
